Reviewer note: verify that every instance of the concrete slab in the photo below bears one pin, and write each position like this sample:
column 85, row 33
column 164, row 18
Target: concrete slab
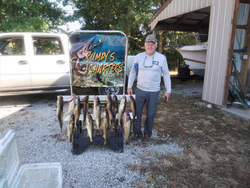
column 242, row 113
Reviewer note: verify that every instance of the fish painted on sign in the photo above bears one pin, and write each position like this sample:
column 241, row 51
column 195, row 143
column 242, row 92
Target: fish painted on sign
column 79, row 51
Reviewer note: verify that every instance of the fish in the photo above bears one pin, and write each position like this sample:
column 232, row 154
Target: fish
column 70, row 127
column 89, row 125
column 85, row 108
column 77, row 110
column 127, row 127
column 114, row 106
column 59, row 110
column 97, row 112
column 121, row 110
column 133, row 108
column 71, row 105
column 110, row 113
column 105, row 125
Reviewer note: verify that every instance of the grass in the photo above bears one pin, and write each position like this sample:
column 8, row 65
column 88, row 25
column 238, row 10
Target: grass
column 216, row 146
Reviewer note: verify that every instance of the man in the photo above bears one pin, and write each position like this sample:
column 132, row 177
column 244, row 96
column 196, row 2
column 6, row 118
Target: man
column 149, row 66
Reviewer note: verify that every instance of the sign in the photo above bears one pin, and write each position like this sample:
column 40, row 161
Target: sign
column 97, row 59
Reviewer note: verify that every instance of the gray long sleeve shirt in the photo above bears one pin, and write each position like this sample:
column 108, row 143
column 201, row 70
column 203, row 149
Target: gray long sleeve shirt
column 150, row 69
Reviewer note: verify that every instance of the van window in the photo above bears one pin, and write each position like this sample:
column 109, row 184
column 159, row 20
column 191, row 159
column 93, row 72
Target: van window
column 12, row 46
column 47, row 46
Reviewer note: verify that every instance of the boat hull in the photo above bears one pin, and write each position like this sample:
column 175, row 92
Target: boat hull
column 195, row 57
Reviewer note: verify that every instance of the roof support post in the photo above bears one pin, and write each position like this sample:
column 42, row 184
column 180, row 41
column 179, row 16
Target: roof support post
column 244, row 62
column 230, row 54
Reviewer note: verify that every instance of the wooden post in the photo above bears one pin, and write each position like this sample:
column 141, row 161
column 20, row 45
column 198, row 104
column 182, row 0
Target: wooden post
column 230, row 53
column 244, row 62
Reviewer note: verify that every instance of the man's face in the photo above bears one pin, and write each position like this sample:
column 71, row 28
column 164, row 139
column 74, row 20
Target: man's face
column 150, row 48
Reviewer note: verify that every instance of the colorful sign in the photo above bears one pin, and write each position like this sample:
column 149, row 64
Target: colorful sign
column 97, row 60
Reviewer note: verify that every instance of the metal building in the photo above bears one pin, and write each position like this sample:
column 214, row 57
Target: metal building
column 227, row 24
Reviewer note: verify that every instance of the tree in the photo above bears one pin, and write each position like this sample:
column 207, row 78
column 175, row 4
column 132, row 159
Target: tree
column 30, row 15
column 176, row 38
column 129, row 16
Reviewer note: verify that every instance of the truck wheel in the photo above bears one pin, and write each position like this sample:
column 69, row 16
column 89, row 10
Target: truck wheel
column 110, row 90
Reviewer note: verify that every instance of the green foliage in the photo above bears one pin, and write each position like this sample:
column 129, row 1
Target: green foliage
column 129, row 16
column 13, row 47
column 30, row 15
column 176, row 38
column 48, row 47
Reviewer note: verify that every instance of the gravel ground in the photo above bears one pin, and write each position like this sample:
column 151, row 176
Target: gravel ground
column 33, row 119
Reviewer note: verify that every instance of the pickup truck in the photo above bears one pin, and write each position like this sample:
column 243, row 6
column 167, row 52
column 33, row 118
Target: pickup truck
column 32, row 62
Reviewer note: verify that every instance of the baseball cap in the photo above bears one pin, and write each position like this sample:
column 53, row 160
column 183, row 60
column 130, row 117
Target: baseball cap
column 150, row 38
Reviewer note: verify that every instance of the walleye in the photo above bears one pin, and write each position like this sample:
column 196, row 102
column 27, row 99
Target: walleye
column 89, row 125
column 114, row 106
column 127, row 127
column 85, row 108
column 133, row 108
column 77, row 110
column 121, row 110
column 97, row 112
column 110, row 114
column 105, row 125
column 59, row 110
column 70, row 127
column 70, row 108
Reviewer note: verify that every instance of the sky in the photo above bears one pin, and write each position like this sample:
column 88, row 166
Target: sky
column 72, row 26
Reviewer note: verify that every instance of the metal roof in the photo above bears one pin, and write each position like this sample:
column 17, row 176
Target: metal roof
column 196, row 19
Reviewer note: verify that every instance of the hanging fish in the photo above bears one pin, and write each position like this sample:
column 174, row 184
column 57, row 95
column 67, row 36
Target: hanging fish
column 133, row 108
column 114, row 106
column 70, row 108
column 89, row 125
column 121, row 110
column 97, row 113
column 127, row 127
column 110, row 114
column 59, row 110
column 85, row 108
column 77, row 110
column 105, row 125
column 70, row 127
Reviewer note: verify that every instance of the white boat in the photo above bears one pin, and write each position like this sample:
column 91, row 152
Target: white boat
column 195, row 57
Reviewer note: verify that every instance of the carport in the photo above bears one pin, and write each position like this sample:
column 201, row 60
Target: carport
column 224, row 22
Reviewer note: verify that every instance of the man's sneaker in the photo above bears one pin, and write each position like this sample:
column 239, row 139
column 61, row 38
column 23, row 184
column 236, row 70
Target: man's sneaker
column 146, row 139
column 135, row 137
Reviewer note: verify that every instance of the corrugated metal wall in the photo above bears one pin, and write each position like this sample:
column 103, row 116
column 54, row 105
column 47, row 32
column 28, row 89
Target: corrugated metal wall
column 221, row 14
column 217, row 53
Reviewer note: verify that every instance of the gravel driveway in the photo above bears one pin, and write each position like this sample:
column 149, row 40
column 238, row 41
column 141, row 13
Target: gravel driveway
column 33, row 119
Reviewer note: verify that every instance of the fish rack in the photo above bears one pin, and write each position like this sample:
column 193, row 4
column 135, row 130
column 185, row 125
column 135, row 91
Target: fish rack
column 80, row 140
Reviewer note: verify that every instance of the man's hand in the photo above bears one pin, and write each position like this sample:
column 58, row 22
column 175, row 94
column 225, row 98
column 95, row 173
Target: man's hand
column 167, row 95
column 129, row 91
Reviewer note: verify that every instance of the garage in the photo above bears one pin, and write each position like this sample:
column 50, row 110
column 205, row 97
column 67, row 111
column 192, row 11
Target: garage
column 225, row 26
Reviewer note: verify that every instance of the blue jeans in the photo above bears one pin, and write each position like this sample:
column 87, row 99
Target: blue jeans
column 151, row 101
